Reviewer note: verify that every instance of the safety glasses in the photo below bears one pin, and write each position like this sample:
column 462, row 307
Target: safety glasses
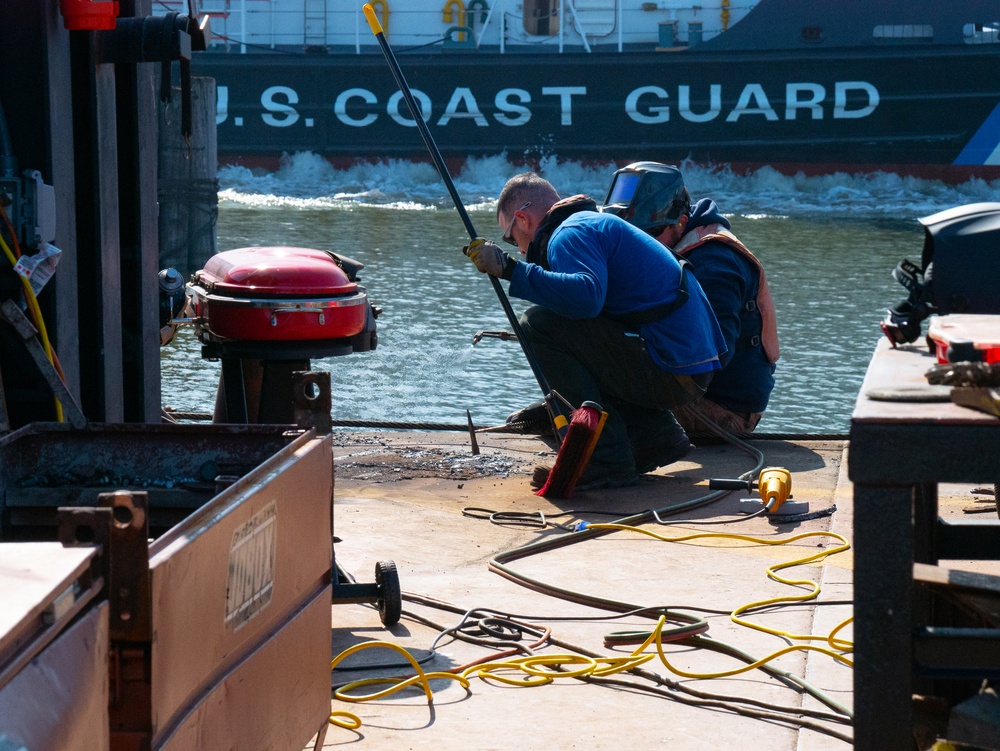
column 507, row 238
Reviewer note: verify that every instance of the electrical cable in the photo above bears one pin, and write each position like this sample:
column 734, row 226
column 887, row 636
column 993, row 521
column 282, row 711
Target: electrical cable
column 697, row 626
column 843, row 713
column 793, row 715
column 653, row 611
column 790, row 679
column 512, row 645
column 539, row 669
column 535, row 519
column 464, row 428
column 846, row 646
column 498, row 565
column 421, row 677
column 36, row 312
column 735, row 709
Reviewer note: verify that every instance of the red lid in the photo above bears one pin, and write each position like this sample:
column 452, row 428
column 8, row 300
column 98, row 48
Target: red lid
column 275, row 271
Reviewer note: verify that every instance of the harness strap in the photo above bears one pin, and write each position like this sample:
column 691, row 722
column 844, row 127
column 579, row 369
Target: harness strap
column 661, row 311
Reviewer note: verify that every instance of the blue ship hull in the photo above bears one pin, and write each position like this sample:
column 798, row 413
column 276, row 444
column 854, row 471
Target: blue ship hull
column 927, row 109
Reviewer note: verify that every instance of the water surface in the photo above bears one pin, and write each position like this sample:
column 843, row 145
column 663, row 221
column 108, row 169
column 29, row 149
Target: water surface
column 828, row 245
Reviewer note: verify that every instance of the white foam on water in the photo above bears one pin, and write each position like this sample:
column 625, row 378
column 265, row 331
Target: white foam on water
column 308, row 181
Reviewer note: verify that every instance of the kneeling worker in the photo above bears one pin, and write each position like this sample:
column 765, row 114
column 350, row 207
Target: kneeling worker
column 652, row 197
column 610, row 323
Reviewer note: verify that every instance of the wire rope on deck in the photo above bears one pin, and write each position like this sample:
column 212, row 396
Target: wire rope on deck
column 515, row 428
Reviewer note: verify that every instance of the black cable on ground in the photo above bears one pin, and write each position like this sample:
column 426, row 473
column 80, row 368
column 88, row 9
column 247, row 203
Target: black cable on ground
column 497, row 564
column 769, row 711
column 758, row 714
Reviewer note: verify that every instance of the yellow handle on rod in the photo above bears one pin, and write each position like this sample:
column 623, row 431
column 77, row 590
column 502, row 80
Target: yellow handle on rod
column 442, row 169
column 372, row 19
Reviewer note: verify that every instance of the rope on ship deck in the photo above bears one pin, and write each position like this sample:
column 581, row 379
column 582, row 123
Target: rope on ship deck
column 512, row 428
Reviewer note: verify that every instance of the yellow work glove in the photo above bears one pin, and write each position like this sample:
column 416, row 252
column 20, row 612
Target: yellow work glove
column 489, row 259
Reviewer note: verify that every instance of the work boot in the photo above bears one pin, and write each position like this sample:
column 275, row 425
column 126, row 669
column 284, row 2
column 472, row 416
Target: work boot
column 670, row 446
column 598, row 477
column 532, row 420
column 646, row 460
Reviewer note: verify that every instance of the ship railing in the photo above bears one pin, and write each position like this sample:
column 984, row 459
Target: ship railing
column 563, row 6
column 252, row 25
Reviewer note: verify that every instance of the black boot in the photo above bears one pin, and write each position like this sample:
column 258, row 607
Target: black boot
column 532, row 420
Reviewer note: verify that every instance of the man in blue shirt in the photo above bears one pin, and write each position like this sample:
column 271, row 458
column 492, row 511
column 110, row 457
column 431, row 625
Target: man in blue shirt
column 611, row 322
column 653, row 197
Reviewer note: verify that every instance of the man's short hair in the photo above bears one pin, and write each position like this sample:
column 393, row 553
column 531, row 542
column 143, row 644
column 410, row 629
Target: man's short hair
column 527, row 186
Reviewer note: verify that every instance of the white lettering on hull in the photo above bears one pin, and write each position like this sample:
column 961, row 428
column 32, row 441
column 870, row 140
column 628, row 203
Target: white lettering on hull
column 510, row 113
column 714, row 104
column 279, row 114
column 646, row 105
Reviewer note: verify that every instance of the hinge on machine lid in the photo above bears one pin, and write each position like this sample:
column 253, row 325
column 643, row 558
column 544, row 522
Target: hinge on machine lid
column 348, row 265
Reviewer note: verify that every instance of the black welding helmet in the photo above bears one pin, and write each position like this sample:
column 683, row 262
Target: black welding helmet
column 959, row 270
column 649, row 195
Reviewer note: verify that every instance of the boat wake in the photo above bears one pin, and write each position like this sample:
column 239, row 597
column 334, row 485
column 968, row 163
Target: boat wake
column 308, row 181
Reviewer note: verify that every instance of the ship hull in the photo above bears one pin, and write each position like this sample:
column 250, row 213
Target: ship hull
column 934, row 114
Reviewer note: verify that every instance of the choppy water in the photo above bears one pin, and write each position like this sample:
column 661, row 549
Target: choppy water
column 829, row 245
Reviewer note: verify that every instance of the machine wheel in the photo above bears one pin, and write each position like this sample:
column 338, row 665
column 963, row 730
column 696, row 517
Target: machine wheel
column 390, row 597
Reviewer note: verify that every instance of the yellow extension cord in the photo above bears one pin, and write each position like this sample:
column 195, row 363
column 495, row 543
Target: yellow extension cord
column 539, row 670
column 36, row 313
column 836, row 645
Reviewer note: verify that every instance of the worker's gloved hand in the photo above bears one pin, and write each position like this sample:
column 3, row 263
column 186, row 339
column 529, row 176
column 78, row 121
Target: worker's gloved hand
column 489, row 259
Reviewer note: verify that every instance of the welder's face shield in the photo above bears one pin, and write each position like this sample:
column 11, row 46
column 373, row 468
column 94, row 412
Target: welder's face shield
column 621, row 194
column 647, row 195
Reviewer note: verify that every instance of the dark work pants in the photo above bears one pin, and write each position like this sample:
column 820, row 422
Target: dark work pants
column 596, row 359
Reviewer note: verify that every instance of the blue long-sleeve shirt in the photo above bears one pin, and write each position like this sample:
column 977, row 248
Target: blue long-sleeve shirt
column 601, row 263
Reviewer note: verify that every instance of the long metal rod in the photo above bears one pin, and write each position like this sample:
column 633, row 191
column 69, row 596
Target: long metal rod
column 450, row 184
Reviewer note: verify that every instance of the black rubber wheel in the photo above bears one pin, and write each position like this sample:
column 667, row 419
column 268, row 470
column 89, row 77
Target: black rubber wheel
column 390, row 596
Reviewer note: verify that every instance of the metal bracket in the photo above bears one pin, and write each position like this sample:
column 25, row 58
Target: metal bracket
column 119, row 525
column 311, row 400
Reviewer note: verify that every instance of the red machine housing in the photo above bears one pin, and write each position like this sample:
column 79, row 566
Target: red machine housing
column 278, row 294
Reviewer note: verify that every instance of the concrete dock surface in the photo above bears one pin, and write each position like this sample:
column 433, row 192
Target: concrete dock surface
column 424, row 501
